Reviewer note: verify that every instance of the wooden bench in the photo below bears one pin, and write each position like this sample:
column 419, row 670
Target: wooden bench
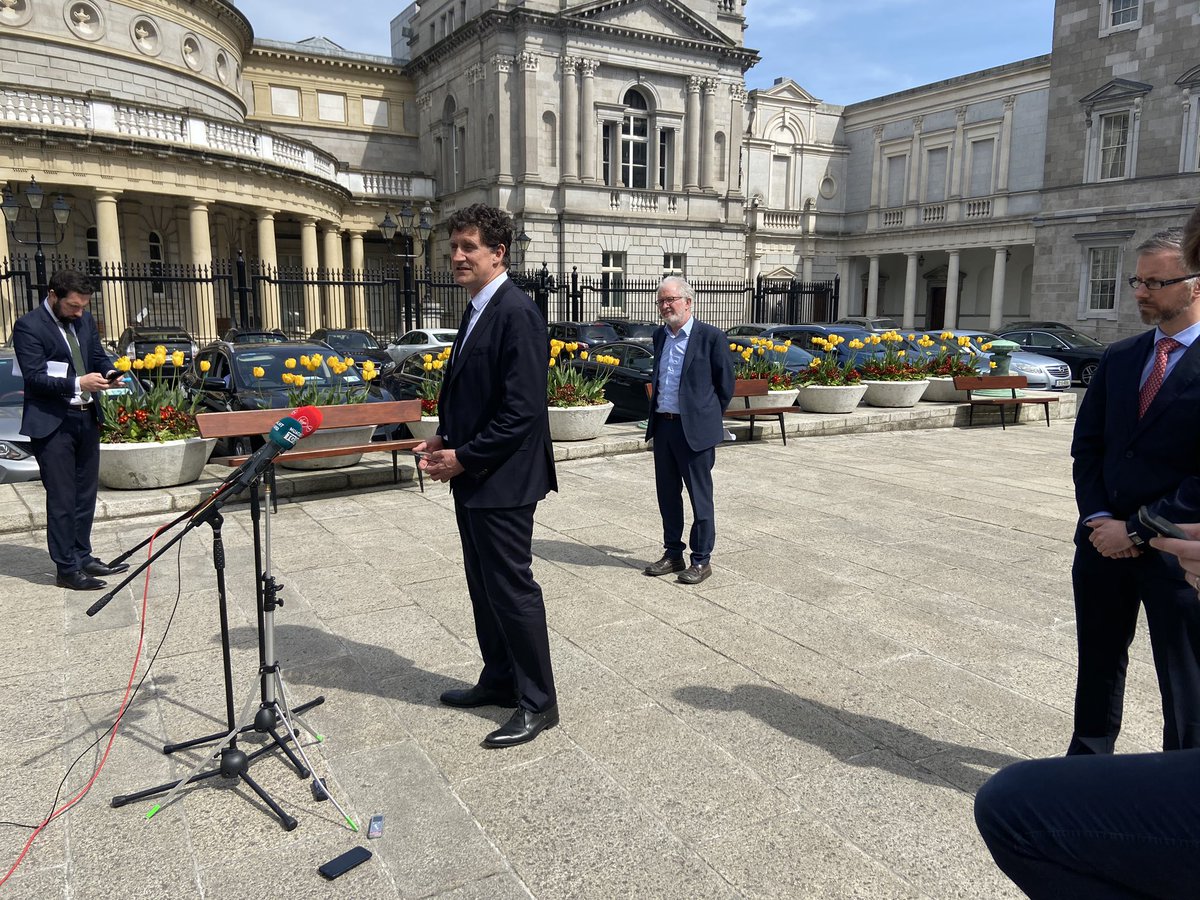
column 745, row 388
column 1011, row 383
column 257, row 422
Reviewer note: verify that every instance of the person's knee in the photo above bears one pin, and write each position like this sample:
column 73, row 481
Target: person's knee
column 998, row 801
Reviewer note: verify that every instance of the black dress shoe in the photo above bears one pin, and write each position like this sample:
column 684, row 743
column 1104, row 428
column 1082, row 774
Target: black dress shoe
column 523, row 727
column 79, row 581
column 95, row 567
column 664, row 566
column 479, row 696
column 694, row 574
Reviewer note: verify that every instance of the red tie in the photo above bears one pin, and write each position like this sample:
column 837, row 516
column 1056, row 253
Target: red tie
column 1157, row 375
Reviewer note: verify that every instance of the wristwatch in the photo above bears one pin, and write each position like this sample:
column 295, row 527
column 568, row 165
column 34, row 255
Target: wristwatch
column 1135, row 537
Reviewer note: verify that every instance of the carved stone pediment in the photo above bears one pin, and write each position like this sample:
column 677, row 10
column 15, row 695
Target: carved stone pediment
column 1117, row 89
column 788, row 91
column 657, row 17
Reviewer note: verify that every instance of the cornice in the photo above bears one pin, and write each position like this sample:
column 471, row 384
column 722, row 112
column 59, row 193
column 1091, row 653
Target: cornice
column 336, row 62
column 225, row 10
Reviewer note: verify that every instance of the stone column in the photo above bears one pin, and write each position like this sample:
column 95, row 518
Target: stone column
column 691, row 134
column 960, row 152
column 914, row 161
column 504, row 122
column 806, row 269
column 873, row 287
column 910, row 292
column 999, row 272
column 108, row 233
column 358, row 293
column 951, row 320
column 335, row 295
column 310, row 262
column 587, row 121
column 268, row 257
column 733, row 146
column 708, row 134
column 201, row 257
column 570, row 120
column 530, row 115
column 877, row 168
column 1005, row 145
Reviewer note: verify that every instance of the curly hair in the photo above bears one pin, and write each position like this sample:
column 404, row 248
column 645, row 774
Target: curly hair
column 495, row 225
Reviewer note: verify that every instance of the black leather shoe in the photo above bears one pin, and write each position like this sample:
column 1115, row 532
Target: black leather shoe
column 95, row 567
column 664, row 566
column 523, row 727
column 79, row 581
column 694, row 574
column 479, row 696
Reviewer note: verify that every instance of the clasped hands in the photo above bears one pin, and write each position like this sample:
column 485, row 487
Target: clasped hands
column 1110, row 538
column 437, row 462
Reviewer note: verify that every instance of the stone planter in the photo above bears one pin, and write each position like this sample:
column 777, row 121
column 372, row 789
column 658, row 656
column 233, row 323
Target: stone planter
column 424, row 429
column 577, row 423
column 771, row 398
column 941, row 390
column 822, row 398
column 894, row 394
column 326, row 438
column 127, row 467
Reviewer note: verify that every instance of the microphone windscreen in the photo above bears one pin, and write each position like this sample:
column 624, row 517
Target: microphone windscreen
column 309, row 418
column 285, row 433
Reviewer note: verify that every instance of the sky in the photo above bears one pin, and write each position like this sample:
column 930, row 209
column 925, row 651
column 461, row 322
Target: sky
column 840, row 51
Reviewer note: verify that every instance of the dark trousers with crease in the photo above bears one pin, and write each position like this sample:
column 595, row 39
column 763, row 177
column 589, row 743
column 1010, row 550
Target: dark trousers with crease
column 69, row 462
column 510, row 614
column 676, row 466
column 1097, row 827
column 1107, row 595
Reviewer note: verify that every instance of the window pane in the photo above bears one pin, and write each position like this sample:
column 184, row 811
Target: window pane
column 1102, row 279
column 1114, row 138
column 935, row 175
column 897, row 167
column 982, row 153
column 1124, row 11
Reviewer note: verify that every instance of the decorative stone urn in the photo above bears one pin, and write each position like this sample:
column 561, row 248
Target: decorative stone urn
column 578, row 423
column 831, row 398
column 424, row 429
column 941, row 390
column 895, row 394
column 151, row 464
column 326, row 438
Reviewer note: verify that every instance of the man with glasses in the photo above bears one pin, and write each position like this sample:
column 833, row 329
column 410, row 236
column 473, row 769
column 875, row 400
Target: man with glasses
column 1137, row 442
column 691, row 385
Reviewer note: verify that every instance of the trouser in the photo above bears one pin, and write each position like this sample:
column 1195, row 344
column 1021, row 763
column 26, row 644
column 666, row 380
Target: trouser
column 677, row 465
column 69, row 462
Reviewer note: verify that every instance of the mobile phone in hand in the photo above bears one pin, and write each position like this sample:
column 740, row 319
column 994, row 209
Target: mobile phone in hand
column 1161, row 526
column 112, row 375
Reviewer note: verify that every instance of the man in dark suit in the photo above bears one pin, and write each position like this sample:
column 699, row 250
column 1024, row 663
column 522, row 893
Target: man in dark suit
column 692, row 385
column 493, row 446
column 65, row 369
column 1137, row 442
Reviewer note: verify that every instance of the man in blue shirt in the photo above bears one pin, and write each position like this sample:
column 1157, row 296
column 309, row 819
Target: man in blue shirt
column 692, row 385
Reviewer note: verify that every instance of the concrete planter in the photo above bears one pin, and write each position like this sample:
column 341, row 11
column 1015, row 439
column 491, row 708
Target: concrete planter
column 822, row 398
column 326, row 438
column 131, row 467
column 894, row 394
column 771, row 398
column 941, row 390
column 424, row 429
column 578, row 423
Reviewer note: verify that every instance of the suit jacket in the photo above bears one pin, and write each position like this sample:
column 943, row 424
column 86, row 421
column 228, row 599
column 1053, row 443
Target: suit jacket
column 1121, row 462
column 38, row 341
column 493, row 406
column 705, row 385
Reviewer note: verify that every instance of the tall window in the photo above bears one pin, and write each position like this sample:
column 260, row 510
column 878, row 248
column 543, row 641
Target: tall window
column 157, row 256
column 612, row 280
column 666, row 140
column 936, row 168
column 675, row 264
column 1123, row 12
column 1103, row 263
column 635, row 141
column 983, row 153
column 92, row 239
column 549, row 140
column 719, row 153
column 1114, row 145
column 897, row 172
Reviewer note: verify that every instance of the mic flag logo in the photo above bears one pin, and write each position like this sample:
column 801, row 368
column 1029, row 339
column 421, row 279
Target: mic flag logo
column 309, row 418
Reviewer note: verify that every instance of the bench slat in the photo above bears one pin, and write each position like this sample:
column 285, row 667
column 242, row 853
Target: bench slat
column 241, row 423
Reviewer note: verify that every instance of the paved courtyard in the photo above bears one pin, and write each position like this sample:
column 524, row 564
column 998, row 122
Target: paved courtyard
column 888, row 622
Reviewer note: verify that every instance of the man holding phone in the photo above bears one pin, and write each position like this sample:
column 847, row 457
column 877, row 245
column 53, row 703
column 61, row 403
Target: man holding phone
column 64, row 369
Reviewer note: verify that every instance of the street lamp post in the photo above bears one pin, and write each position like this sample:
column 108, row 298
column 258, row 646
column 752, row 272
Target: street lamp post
column 408, row 232
column 13, row 209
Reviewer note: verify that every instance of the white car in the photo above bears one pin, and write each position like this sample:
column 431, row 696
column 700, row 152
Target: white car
column 422, row 340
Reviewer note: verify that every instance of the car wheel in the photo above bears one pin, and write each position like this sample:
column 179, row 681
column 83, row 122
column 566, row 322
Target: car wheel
column 241, row 446
column 1087, row 371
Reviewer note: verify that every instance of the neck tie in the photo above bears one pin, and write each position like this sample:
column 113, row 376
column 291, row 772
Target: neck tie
column 77, row 360
column 1157, row 375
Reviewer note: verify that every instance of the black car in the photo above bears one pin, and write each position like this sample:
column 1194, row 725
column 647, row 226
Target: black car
column 627, row 328
column 230, row 383
column 360, row 345
column 1081, row 352
column 586, row 333
column 254, row 336
column 136, row 341
column 626, row 387
column 802, row 336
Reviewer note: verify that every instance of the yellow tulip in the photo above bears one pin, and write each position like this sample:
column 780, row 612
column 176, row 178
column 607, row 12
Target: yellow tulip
column 428, row 367
column 349, row 361
column 258, row 371
column 205, row 365
column 289, row 363
column 947, row 335
column 553, row 362
column 160, row 350
column 428, row 357
column 369, row 374
column 572, row 347
column 139, row 364
column 177, row 358
column 437, row 364
column 732, row 346
column 122, row 364
column 584, row 355
column 991, row 365
column 445, row 354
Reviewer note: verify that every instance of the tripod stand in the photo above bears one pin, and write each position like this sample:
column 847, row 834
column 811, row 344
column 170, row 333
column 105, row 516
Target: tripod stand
column 273, row 713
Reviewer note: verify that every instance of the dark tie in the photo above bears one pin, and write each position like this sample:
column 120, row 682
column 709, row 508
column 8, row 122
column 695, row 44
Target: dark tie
column 1157, row 375
column 76, row 358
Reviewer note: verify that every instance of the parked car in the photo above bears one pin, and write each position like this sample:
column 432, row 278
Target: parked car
column 795, row 359
column 1042, row 372
column 750, row 329
column 359, row 344
column 802, row 337
column 628, row 328
column 138, row 340
column 229, row 384
column 254, row 336
column 422, row 341
column 870, row 323
column 1081, row 352
column 586, row 334
column 626, row 387
column 1041, row 326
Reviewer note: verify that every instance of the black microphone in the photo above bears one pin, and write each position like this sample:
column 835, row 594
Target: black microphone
column 283, row 436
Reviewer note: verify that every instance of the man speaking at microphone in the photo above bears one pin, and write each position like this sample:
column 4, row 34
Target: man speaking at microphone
column 493, row 447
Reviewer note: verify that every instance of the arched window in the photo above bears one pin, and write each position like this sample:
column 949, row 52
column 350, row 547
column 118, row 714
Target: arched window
column 157, row 255
column 549, row 140
column 635, row 141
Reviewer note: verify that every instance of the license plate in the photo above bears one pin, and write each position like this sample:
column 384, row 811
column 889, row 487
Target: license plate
column 1062, row 382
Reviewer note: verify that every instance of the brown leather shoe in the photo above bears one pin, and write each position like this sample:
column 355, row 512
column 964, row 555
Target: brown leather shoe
column 665, row 566
column 694, row 574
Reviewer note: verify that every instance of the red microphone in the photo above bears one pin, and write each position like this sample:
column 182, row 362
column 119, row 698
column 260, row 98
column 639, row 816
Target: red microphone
column 309, row 418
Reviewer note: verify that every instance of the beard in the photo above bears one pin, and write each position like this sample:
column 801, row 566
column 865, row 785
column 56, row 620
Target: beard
column 1158, row 314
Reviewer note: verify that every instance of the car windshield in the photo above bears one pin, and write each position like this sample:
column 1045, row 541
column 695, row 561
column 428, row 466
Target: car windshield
column 351, row 340
column 1077, row 340
column 637, row 329
column 272, row 361
column 257, row 337
column 12, row 386
column 163, row 337
column 597, row 334
column 446, row 337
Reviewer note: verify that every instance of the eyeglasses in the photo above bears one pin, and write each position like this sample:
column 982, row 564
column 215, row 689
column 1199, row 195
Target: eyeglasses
column 669, row 301
column 1155, row 284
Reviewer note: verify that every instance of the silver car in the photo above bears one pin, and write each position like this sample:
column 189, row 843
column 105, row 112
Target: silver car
column 16, row 457
column 1042, row 372
column 423, row 340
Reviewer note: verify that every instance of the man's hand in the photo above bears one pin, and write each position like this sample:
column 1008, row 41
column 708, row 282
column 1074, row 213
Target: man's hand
column 93, row 381
column 1110, row 538
column 438, row 463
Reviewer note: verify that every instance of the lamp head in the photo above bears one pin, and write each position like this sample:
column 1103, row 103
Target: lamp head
column 34, row 194
column 388, row 226
column 426, row 226
column 61, row 210
column 10, row 207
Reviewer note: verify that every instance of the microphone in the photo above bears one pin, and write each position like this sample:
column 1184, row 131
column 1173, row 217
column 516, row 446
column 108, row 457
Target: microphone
column 309, row 418
column 283, row 436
